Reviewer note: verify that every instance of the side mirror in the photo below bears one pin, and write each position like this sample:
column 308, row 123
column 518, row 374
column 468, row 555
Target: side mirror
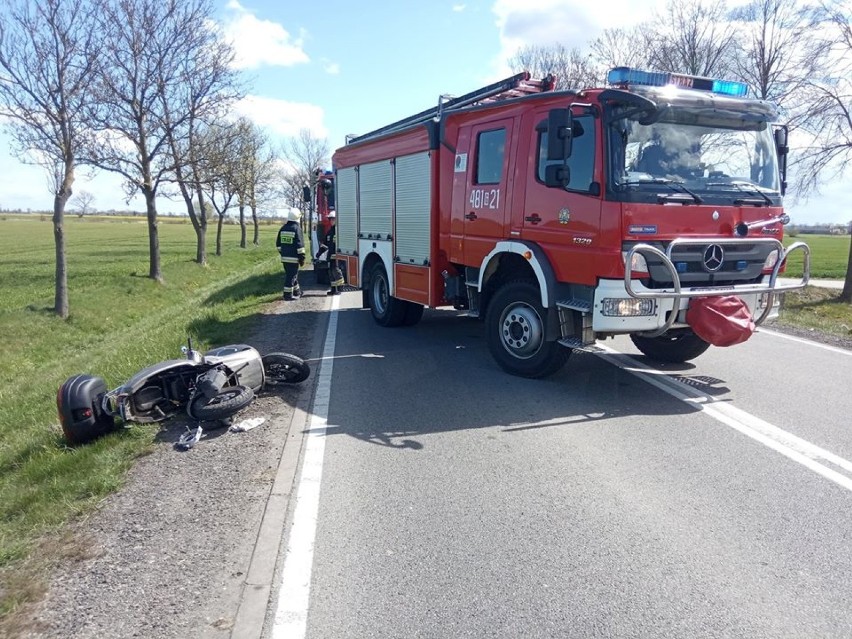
column 781, row 140
column 781, row 145
column 560, row 128
column 306, row 193
column 557, row 175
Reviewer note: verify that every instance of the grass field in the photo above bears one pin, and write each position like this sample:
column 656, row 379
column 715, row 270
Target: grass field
column 120, row 322
column 829, row 256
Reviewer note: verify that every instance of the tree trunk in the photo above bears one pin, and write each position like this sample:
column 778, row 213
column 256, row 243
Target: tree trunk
column 242, row 226
column 219, row 233
column 256, row 226
column 846, row 294
column 201, row 230
column 154, row 271
column 60, row 300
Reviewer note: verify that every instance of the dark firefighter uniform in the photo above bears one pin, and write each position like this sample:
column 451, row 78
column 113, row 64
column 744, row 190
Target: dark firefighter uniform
column 329, row 247
column 291, row 246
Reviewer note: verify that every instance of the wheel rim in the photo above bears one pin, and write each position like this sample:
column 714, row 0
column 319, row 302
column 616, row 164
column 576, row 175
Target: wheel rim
column 224, row 396
column 521, row 330
column 380, row 294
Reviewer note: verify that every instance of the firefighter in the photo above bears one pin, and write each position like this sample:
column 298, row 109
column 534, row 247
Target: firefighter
column 329, row 247
column 291, row 245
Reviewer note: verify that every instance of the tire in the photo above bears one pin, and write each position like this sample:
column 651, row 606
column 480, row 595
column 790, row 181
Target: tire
column 674, row 347
column 81, row 414
column 225, row 403
column 515, row 327
column 284, row 368
column 413, row 314
column 387, row 310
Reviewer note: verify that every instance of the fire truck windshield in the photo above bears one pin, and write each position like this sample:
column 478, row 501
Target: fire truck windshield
column 715, row 155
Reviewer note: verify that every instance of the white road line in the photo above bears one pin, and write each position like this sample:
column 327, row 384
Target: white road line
column 779, row 440
column 291, row 616
column 801, row 340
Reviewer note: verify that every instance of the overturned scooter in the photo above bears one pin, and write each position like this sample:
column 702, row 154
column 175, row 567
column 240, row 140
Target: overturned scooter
column 212, row 387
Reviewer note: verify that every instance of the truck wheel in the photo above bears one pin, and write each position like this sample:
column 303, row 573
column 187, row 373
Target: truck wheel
column 515, row 326
column 225, row 403
column 675, row 347
column 386, row 309
column 413, row 314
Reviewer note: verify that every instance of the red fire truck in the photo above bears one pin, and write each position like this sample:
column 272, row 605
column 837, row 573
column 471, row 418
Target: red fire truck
column 321, row 195
column 565, row 217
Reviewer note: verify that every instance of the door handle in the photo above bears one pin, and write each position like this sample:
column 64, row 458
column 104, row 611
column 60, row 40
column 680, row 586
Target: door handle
column 533, row 219
column 471, row 216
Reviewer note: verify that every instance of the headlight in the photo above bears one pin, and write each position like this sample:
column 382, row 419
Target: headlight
column 771, row 261
column 626, row 307
column 638, row 265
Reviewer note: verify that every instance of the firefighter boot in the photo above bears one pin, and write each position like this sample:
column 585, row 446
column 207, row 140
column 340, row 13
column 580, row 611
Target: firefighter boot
column 335, row 290
column 297, row 292
column 288, row 297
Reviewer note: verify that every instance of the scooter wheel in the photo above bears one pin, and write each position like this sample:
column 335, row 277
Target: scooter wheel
column 284, row 368
column 225, row 403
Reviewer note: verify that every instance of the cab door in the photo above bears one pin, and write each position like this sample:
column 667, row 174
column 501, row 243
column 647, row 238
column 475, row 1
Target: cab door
column 487, row 189
column 566, row 222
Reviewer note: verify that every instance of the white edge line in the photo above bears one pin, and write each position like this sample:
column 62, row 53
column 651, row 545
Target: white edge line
column 777, row 439
column 802, row 340
column 291, row 615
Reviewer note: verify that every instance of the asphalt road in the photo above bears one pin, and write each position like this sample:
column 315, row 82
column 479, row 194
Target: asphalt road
column 441, row 497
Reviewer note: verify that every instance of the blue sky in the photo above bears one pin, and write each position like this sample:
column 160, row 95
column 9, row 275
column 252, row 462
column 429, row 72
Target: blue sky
column 339, row 67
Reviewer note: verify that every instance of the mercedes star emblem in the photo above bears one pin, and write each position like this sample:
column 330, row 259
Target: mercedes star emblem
column 714, row 255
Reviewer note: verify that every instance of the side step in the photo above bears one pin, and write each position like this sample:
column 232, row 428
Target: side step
column 574, row 343
column 568, row 313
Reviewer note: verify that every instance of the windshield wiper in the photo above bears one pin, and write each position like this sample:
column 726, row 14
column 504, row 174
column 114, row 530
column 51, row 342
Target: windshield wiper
column 743, row 187
column 674, row 185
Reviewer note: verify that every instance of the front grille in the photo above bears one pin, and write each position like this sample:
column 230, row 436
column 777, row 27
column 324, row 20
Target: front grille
column 741, row 263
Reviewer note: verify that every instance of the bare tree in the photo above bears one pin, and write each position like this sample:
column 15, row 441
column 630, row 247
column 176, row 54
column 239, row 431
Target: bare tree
column 573, row 69
column 203, row 63
column 694, row 37
column 48, row 56
column 149, row 52
column 827, row 121
column 221, row 171
column 255, row 175
column 772, row 53
column 83, row 201
column 305, row 154
column 618, row 47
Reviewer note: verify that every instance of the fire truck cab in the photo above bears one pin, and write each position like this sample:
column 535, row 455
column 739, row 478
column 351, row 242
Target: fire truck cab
column 564, row 217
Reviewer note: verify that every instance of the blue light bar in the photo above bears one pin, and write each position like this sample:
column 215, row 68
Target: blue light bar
column 627, row 76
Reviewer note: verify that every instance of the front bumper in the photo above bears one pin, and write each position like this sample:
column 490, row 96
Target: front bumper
column 670, row 304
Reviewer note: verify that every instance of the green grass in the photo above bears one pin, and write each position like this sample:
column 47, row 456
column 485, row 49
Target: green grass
column 818, row 309
column 829, row 256
column 120, row 321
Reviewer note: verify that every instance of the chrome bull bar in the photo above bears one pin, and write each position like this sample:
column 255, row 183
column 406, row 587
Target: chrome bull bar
column 676, row 293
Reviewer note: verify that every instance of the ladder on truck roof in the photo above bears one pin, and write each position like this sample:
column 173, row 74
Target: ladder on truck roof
column 515, row 86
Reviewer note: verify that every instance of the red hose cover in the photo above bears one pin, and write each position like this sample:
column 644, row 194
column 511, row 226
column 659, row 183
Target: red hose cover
column 724, row 320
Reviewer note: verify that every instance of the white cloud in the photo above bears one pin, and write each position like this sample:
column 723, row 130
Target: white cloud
column 282, row 117
column 459, row 7
column 260, row 43
column 571, row 23
column 332, row 68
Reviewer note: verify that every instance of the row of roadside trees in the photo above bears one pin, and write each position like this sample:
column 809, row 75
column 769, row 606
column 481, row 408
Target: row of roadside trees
column 143, row 89
column 796, row 54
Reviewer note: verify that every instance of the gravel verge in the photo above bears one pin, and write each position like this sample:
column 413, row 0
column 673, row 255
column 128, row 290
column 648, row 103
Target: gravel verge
column 167, row 556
